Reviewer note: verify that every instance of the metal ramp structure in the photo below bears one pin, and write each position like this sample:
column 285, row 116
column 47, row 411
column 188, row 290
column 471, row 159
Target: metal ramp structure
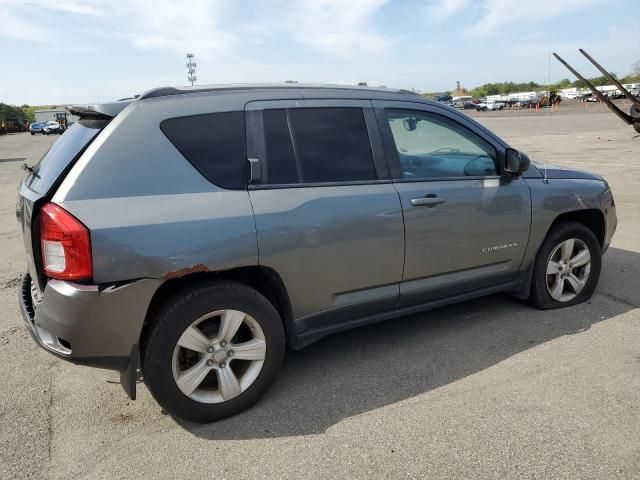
column 631, row 118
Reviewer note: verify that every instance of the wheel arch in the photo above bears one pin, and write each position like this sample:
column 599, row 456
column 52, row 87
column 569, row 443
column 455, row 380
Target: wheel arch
column 263, row 279
column 592, row 218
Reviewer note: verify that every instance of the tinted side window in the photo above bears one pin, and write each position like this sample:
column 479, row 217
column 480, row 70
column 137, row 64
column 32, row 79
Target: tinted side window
column 214, row 144
column 280, row 160
column 316, row 145
column 431, row 146
column 332, row 144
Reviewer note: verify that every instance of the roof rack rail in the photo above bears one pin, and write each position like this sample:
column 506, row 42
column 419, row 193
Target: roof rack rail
column 169, row 91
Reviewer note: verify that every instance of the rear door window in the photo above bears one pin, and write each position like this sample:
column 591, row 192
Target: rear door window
column 317, row 145
column 214, row 144
column 280, row 159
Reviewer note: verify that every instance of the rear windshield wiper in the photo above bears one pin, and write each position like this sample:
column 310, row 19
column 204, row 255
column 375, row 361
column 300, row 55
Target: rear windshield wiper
column 30, row 169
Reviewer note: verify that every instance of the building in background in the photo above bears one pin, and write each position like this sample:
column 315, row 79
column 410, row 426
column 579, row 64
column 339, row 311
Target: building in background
column 59, row 115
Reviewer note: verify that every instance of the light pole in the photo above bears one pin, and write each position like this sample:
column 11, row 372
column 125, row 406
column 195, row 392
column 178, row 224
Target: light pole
column 191, row 69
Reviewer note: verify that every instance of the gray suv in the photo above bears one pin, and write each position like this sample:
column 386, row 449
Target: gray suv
column 190, row 235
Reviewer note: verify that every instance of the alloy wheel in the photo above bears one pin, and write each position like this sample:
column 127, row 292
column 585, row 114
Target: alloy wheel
column 219, row 356
column 568, row 269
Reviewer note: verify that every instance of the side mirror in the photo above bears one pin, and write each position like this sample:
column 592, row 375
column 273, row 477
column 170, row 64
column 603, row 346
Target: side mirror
column 515, row 162
column 410, row 124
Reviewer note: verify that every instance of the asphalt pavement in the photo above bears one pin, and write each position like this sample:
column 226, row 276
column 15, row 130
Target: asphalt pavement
column 489, row 388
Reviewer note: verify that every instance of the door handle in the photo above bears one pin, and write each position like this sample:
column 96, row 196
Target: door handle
column 430, row 200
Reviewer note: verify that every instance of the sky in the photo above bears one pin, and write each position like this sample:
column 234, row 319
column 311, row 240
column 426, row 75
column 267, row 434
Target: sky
column 79, row 51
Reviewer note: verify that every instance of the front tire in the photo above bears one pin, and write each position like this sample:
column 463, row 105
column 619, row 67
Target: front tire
column 213, row 351
column 567, row 267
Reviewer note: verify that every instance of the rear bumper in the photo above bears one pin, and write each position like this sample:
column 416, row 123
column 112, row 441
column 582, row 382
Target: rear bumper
column 87, row 324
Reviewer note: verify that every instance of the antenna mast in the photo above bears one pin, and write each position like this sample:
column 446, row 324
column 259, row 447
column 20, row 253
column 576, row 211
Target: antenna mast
column 546, row 179
column 191, row 68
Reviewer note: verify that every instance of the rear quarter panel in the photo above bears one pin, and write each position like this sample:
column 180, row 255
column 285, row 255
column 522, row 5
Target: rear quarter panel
column 150, row 212
column 166, row 236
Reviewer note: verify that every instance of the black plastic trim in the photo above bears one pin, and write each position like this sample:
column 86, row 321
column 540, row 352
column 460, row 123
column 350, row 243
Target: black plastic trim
column 129, row 375
column 307, row 337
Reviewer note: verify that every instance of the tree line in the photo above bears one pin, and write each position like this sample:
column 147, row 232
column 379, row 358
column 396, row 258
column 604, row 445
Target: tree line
column 504, row 88
column 12, row 113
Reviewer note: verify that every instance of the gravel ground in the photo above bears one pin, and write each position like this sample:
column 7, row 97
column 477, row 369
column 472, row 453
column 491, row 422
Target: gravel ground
column 485, row 389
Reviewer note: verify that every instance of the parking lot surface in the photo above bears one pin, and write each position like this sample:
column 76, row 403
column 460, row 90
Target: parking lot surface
column 485, row 389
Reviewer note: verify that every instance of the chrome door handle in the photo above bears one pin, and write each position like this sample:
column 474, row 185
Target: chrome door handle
column 430, row 200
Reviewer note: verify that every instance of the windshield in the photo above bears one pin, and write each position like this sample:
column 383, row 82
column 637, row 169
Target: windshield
column 62, row 153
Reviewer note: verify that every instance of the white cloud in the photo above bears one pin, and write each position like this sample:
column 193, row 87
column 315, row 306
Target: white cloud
column 68, row 6
column 502, row 13
column 492, row 15
column 172, row 25
column 335, row 28
column 15, row 27
column 338, row 28
column 439, row 10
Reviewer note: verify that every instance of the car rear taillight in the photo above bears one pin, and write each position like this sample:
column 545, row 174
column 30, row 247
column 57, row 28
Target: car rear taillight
column 66, row 248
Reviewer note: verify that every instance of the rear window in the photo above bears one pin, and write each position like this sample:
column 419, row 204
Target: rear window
column 60, row 156
column 214, row 144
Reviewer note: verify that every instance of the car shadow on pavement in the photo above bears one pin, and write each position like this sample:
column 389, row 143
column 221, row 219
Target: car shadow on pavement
column 364, row 369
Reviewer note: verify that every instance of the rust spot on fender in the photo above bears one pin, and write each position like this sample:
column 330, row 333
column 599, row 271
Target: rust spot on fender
column 198, row 267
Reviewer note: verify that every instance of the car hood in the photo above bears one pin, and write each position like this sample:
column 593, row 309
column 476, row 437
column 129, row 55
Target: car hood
column 558, row 172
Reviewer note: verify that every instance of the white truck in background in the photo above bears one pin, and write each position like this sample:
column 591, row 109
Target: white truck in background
column 490, row 105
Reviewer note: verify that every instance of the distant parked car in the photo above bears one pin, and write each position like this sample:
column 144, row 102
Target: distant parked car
column 443, row 98
column 53, row 127
column 490, row 105
column 36, row 127
column 470, row 104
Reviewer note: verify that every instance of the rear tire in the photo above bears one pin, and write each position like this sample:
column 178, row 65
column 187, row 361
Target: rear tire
column 176, row 346
column 567, row 267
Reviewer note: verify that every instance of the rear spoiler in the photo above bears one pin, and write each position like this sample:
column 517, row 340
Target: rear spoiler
column 631, row 118
column 99, row 110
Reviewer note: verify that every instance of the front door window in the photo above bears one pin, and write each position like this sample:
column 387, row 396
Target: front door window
column 431, row 146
